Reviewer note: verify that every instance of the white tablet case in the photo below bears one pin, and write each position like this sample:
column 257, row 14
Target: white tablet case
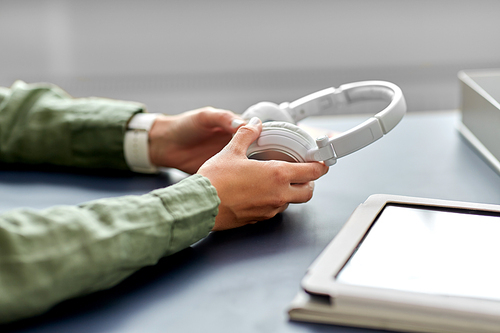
column 324, row 300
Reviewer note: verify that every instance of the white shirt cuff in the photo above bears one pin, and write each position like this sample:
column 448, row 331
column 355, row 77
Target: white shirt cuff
column 136, row 143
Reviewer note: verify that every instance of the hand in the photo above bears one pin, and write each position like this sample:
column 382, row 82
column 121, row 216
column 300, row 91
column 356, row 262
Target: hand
column 187, row 140
column 252, row 190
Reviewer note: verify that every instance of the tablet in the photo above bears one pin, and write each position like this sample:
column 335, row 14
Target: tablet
column 409, row 264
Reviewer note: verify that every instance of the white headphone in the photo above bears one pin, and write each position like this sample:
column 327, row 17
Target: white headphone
column 281, row 139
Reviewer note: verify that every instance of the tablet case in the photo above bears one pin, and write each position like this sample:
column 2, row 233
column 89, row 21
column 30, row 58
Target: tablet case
column 388, row 310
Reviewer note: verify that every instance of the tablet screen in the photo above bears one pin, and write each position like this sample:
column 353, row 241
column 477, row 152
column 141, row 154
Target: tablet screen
column 420, row 249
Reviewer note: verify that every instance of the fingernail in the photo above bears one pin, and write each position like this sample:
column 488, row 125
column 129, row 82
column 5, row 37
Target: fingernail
column 237, row 123
column 254, row 121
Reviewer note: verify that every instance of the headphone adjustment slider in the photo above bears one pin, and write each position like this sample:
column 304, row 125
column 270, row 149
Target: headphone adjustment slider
column 340, row 96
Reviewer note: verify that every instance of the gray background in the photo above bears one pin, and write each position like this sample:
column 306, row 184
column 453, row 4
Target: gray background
column 179, row 55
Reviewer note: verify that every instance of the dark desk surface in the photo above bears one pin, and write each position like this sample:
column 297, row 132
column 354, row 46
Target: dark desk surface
column 243, row 280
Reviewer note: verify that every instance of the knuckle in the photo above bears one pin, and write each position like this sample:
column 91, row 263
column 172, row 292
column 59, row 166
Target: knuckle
column 206, row 112
column 278, row 172
column 278, row 201
column 207, row 109
column 316, row 172
column 226, row 115
column 202, row 116
column 247, row 130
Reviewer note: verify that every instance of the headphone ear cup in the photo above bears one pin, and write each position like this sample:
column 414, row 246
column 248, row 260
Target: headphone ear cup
column 267, row 111
column 281, row 141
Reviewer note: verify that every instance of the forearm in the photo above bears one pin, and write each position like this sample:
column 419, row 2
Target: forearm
column 41, row 124
column 63, row 252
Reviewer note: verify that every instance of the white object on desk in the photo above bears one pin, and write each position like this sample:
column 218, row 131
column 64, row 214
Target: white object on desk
column 409, row 264
column 480, row 108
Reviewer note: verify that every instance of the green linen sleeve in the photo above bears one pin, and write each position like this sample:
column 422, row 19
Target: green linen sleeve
column 41, row 124
column 66, row 251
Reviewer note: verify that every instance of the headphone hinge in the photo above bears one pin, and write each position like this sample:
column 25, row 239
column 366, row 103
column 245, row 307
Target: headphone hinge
column 324, row 152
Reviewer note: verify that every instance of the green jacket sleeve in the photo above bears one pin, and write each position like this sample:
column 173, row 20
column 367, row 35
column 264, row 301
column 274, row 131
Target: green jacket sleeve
column 42, row 124
column 51, row 255
column 62, row 252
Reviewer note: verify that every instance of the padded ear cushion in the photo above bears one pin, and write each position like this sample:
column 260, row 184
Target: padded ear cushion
column 282, row 141
column 306, row 138
column 267, row 111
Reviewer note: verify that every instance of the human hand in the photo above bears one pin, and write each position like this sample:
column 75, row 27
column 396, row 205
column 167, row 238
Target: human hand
column 252, row 190
column 187, row 140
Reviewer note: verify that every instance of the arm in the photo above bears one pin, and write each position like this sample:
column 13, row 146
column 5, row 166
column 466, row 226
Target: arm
column 42, row 124
column 67, row 251
column 63, row 252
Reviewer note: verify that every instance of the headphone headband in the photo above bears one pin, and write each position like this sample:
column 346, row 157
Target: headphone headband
column 329, row 101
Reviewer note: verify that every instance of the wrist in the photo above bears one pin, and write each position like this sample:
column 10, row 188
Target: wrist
column 136, row 143
column 158, row 138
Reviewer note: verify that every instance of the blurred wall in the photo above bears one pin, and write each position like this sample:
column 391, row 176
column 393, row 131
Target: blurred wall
column 178, row 55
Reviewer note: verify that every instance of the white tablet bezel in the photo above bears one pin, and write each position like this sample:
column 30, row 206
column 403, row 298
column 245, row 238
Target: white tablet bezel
column 389, row 309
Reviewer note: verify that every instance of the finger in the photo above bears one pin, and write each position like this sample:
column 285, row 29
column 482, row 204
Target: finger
column 230, row 122
column 237, row 122
column 300, row 193
column 222, row 119
column 304, row 172
column 245, row 136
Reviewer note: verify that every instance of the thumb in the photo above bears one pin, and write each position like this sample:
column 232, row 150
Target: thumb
column 245, row 136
